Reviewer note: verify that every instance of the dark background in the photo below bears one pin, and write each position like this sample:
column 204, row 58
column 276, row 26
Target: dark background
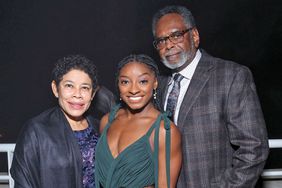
column 35, row 33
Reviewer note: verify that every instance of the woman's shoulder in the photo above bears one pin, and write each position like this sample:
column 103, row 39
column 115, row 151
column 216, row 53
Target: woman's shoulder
column 44, row 117
column 40, row 124
column 103, row 122
column 167, row 125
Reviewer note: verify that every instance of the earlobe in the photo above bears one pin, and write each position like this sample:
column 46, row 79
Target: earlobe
column 156, row 84
column 54, row 88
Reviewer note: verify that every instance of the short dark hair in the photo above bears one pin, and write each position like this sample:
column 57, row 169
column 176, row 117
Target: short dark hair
column 75, row 62
column 181, row 10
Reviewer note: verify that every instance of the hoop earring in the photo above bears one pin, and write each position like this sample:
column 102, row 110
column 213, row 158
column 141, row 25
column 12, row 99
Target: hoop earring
column 155, row 94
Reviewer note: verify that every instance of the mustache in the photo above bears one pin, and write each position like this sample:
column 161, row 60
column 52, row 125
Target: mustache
column 172, row 52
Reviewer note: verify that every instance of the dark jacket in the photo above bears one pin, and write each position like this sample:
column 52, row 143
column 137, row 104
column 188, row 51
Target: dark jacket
column 224, row 138
column 47, row 154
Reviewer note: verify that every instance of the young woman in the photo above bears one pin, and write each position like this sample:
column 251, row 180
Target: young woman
column 57, row 147
column 139, row 146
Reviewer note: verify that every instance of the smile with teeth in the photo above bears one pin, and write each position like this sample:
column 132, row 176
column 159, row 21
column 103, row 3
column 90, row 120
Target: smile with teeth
column 135, row 98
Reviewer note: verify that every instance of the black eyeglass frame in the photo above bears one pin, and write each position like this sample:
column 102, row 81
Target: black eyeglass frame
column 180, row 33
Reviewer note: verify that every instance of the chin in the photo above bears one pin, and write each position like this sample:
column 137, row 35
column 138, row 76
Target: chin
column 176, row 63
column 135, row 106
column 76, row 113
column 172, row 65
column 138, row 107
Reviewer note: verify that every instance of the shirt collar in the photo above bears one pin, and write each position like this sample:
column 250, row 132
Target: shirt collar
column 188, row 71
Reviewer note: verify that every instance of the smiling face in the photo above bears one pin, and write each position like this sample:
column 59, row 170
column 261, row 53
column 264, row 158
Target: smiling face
column 136, row 83
column 176, row 56
column 74, row 93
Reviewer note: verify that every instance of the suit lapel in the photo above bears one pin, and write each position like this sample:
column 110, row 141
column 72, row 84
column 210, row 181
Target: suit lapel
column 197, row 83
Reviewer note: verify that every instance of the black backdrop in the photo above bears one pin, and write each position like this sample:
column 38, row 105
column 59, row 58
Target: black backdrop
column 34, row 33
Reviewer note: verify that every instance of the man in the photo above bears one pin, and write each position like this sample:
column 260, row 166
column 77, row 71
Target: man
column 214, row 104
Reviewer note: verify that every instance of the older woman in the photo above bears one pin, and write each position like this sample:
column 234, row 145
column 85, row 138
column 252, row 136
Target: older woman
column 57, row 147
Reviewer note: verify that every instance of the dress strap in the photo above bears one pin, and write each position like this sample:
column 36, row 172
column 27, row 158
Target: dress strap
column 167, row 150
column 167, row 147
column 156, row 123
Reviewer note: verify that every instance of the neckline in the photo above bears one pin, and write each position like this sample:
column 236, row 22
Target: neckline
column 130, row 145
column 125, row 149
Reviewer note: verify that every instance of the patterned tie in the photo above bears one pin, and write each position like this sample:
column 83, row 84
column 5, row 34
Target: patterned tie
column 173, row 96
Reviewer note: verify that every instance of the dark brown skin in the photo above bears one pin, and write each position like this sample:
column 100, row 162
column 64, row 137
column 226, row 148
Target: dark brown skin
column 133, row 121
column 174, row 22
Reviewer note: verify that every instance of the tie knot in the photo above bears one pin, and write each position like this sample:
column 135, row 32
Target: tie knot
column 177, row 77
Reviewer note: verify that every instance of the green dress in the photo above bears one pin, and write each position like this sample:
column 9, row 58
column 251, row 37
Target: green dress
column 137, row 165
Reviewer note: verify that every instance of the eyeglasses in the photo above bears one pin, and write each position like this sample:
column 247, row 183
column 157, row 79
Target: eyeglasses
column 175, row 37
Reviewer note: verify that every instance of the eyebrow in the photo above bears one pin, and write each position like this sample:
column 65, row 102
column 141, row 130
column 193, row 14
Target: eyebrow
column 165, row 36
column 86, row 84
column 143, row 74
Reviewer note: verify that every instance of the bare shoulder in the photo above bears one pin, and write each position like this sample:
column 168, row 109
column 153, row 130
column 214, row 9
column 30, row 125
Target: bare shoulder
column 103, row 122
column 175, row 133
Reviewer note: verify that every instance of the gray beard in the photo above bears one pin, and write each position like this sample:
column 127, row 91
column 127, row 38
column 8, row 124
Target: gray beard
column 183, row 58
column 181, row 62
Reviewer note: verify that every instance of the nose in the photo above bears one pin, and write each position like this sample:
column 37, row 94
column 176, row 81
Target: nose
column 169, row 44
column 134, row 89
column 77, row 93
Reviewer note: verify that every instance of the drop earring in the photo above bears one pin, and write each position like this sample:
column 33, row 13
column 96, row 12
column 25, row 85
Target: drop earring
column 155, row 94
